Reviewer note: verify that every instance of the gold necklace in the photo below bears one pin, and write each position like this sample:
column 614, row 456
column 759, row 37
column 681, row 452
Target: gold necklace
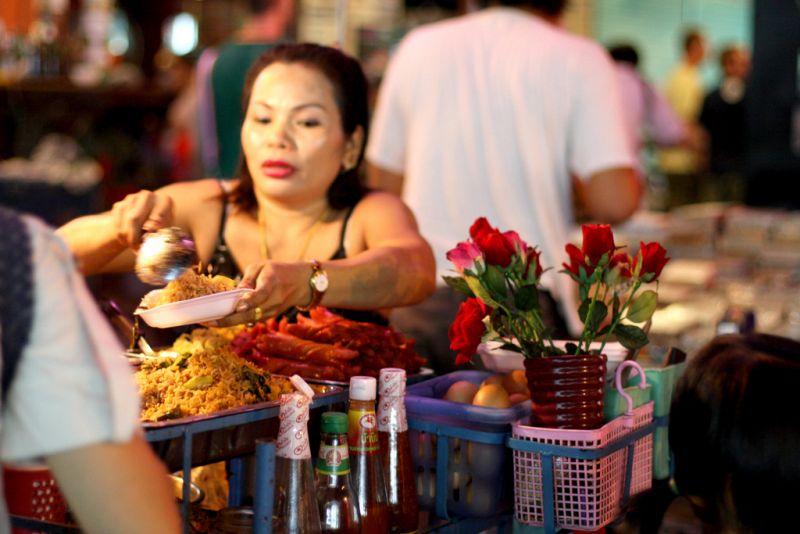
column 262, row 227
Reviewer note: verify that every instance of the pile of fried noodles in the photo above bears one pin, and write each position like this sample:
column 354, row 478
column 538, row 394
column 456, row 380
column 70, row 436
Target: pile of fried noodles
column 187, row 286
column 205, row 377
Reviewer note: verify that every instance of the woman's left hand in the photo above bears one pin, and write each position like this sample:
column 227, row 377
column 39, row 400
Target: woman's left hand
column 277, row 287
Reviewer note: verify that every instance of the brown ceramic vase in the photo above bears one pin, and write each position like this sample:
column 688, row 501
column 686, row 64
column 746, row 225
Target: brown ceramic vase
column 567, row 391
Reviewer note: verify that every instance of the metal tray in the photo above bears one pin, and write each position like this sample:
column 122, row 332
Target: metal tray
column 423, row 374
column 204, row 439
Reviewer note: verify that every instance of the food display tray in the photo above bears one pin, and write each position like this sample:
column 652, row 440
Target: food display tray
column 423, row 374
column 203, row 439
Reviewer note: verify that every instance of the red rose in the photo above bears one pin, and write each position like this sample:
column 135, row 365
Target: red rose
column 467, row 329
column 576, row 260
column 515, row 240
column 495, row 246
column 534, row 257
column 597, row 240
column 622, row 261
column 479, row 227
column 654, row 257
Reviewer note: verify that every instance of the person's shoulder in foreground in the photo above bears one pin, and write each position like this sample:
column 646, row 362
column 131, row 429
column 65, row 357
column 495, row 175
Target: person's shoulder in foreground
column 71, row 381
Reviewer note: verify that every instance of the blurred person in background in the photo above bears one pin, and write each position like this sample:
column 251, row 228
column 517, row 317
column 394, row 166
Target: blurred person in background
column 684, row 92
column 200, row 112
column 500, row 113
column 724, row 117
column 68, row 394
column 649, row 119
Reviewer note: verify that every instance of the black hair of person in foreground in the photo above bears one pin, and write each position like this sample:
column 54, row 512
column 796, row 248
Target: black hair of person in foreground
column 734, row 432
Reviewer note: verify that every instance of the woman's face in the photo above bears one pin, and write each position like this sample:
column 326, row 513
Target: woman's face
column 292, row 134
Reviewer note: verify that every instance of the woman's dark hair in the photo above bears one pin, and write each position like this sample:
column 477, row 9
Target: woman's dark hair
column 350, row 92
column 735, row 432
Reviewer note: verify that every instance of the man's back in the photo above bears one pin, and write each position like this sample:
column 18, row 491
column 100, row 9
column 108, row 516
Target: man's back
column 487, row 114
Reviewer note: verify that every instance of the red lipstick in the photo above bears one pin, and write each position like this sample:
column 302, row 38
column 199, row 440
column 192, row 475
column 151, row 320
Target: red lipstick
column 277, row 168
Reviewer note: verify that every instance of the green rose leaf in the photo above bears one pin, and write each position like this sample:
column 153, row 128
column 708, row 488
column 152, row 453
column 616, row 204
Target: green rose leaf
column 495, row 280
column 632, row 337
column 459, row 284
column 598, row 314
column 481, row 292
column 527, row 298
column 643, row 307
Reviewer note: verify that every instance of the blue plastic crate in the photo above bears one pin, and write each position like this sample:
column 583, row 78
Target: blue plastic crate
column 459, row 450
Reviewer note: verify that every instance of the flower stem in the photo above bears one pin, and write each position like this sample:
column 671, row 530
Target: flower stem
column 621, row 313
column 584, row 342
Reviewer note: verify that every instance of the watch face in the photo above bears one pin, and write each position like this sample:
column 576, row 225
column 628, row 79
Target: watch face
column 320, row 281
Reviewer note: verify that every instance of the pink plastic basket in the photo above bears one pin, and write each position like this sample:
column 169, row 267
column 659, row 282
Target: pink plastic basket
column 587, row 494
column 31, row 491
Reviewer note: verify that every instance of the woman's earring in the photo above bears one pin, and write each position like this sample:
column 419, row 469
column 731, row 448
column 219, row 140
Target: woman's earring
column 348, row 165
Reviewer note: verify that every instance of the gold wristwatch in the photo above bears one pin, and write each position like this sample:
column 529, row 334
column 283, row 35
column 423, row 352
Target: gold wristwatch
column 318, row 283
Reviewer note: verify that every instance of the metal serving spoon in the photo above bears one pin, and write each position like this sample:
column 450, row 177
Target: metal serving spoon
column 164, row 255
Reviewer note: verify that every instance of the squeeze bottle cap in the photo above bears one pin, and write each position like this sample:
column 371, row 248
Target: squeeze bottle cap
column 334, row 423
column 301, row 386
column 392, row 382
column 362, row 388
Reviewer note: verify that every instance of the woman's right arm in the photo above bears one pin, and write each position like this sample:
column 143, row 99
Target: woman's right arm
column 105, row 242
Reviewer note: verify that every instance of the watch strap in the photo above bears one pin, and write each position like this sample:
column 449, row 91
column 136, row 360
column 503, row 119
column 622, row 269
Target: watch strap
column 316, row 294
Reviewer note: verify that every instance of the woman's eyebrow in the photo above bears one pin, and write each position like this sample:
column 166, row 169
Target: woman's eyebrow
column 297, row 107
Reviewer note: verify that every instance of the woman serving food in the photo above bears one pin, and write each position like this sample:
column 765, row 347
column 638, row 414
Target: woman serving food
column 297, row 224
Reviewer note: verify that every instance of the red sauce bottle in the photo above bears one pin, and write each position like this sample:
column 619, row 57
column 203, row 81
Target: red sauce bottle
column 366, row 471
column 398, row 467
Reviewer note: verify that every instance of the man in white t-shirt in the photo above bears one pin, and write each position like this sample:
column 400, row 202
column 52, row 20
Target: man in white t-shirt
column 71, row 400
column 500, row 113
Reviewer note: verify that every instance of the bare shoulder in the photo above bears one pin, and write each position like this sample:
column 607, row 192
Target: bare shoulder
column 193, row 191
column 383, row 204
column 196, row 202
column 381, row 214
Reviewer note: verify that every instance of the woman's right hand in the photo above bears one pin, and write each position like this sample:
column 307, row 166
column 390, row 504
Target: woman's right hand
column 144, row 211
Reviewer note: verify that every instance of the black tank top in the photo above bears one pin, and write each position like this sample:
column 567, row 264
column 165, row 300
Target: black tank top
column 222, row 262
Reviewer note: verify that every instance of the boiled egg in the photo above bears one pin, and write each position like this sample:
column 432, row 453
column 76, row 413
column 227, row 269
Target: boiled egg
column 492, row 396
column 461, row 391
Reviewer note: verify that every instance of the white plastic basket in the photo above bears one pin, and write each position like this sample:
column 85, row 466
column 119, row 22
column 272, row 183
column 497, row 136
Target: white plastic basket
column 585, row 493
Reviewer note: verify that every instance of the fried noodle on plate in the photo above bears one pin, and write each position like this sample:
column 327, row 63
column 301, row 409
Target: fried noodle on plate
column 187, row 286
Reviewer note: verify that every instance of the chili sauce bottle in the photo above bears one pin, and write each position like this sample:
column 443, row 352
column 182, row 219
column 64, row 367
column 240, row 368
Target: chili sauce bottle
column 366, row 471
column 398, row 466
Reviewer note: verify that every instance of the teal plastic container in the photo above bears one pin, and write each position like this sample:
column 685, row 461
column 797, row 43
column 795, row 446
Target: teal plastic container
column 661, row 382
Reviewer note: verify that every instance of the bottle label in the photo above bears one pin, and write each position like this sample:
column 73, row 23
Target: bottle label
column 333, row 460
column 392, row 415
column 363, row 434
column 292, row 439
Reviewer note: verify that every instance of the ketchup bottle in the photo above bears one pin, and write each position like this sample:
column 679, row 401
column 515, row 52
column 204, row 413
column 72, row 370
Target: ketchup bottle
column 366, row 471
column 398, row 467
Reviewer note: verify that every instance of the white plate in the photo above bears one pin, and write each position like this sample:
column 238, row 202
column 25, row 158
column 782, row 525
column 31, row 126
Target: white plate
column 503, row 361
column 197, row 310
